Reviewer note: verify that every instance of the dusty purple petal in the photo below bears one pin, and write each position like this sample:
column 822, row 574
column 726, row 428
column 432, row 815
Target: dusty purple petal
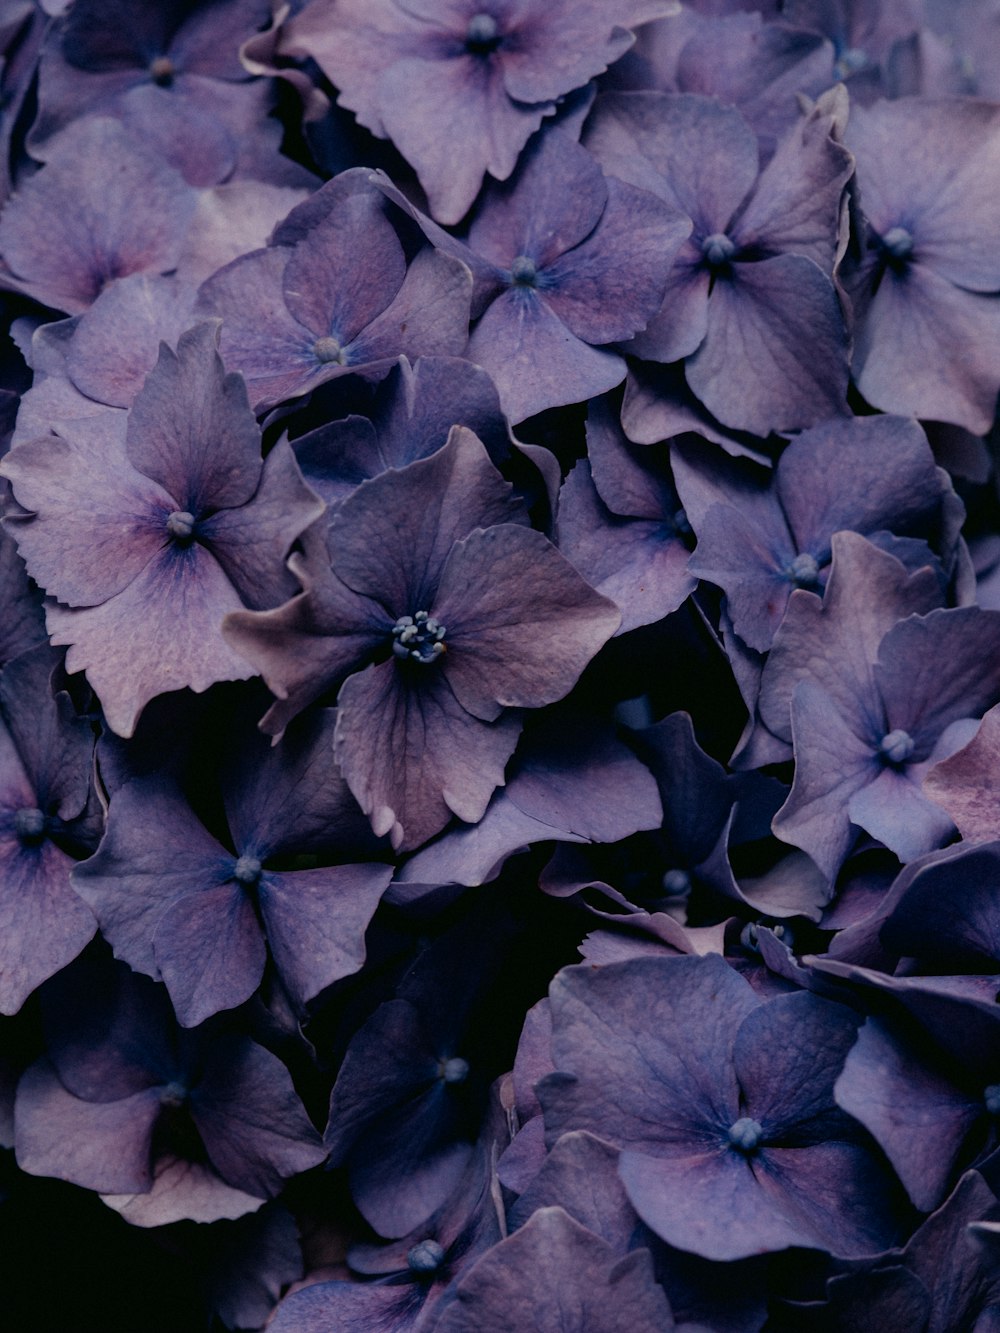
column 253, row 1125
column 391, row 539
column 162, row 633
column 422, row 101
column 43, row 923
column 99, row 1145
column 308, row 645
column 918, row 699
column 533, row 358
column 289, row 797
column 965, row 785
column 932, row 165
column 832, row 763
column 659, row 406
column 580, row 1174
column 709, row 1203
column 795, row 208
column 775, row 350
column 553, row 204
column 689, row 150
column 116, row 343
column 788, row 1055
column 678, row 328
column 209, row 951
column 191, row 429
column 428, row 317
column 521, row 623
column 612, row 1025
column 315, row 921
column 630, row 482
column 555, row 1276
column 260, row 339
column 641, row 566
column 413, row 756
column 98, row 523
column 612, row 284
column 838, row 475
column 252, row 541
column 926, row 348
column 892, row 808
column 868, row 591
column 98, row 210
column 182, row 1191
column 345, row 271
column 154, row 852
column 231, row 220
column 918, row 1117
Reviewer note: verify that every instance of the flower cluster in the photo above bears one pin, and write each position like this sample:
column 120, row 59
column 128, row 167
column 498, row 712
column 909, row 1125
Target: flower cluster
column 500, row 665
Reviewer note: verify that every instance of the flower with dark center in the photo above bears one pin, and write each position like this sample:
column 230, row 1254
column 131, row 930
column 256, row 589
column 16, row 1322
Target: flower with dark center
column 213, row 921
column 460, row 88
column 722, row 1104
column 418, row 638
column 925, row 286
column 750, row 304
column 420, row 745
column 143, row 614
column 763, row 534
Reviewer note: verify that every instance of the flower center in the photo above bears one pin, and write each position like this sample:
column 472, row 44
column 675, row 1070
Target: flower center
column 455, row 1070
column 896, row 747
column 180, row 525
column 161, row 71
column 173, row 1095
column 676, row 882
column 247, row 870
column 717, row 249
column 991, row 1096
column 482, row 36
column 745, row 1135
column 327, row 350
column 29, row 825
column 425, row 1257
column 897, row 243
column 523, row 271
column 851, row 61
column 803, row 571
column 418, row 638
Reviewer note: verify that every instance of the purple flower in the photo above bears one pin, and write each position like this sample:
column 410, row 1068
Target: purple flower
column 460, row 87
column 171, row 74
column 722, row 1105
column 859, row 690
column 750, row 301
column 566, row 260
column 334, row 294
column 926, row 275
column 457, row 616
column 163, row 1124
column 178, row 905
column 760, row 536
column 147, row 529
